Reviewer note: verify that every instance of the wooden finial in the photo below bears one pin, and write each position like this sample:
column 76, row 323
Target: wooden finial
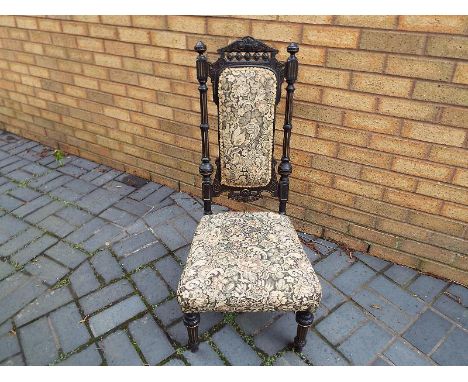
column 293, row 48
column 200, row 47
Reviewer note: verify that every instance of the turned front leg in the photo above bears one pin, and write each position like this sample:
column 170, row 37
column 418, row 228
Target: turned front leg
column 191, row 322
column 304, row 321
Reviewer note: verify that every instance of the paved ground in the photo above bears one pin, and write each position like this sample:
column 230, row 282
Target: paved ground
column 90, row 258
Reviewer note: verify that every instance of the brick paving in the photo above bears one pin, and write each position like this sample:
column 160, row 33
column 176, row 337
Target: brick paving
column 90, row 258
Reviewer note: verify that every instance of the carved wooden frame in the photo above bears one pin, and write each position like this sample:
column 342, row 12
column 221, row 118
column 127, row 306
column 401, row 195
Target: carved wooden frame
column 246, row 52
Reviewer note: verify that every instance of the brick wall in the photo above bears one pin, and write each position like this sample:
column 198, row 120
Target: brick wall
column 379, row 140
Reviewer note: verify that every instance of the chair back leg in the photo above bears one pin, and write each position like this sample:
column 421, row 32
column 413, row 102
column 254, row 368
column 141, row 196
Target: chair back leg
column 191, row 322
column 304, row 321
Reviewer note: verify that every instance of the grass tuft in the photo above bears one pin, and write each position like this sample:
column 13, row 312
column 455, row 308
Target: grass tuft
column 59, row 155
column 230, row 318
column 63, row 282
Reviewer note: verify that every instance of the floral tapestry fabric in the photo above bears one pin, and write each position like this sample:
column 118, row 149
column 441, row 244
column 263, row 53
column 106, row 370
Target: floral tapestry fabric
column 246, row 125
column 247, row 262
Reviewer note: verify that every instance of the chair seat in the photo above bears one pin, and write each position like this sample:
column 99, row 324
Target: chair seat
column 247, row 262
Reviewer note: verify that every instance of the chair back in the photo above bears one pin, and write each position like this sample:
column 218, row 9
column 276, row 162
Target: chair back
column 247, row 80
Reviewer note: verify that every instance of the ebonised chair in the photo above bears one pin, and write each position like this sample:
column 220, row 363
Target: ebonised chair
column 247, row 261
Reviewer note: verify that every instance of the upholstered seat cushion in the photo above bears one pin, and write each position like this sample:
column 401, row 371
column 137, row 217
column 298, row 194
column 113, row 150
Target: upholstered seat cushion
column 247, row 261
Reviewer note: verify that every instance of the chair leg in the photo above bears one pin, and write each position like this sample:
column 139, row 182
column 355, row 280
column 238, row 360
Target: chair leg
column 304, row 321
column 191, row 322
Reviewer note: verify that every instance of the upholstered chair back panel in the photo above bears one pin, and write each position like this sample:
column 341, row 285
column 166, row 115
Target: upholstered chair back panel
column 246, row 125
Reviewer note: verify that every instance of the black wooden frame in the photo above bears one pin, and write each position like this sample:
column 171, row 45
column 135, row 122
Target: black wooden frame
column 241, row 53
column 252, row 53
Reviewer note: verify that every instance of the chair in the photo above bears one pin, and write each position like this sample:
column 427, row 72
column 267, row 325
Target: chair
column 247, row 261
